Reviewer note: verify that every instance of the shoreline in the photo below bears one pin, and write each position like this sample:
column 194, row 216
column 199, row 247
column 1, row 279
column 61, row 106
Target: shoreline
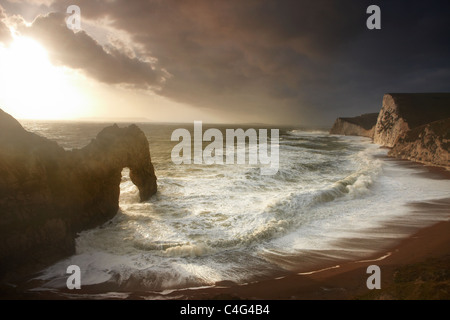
column 342, row 281
column 324, row 280
column 333, row 281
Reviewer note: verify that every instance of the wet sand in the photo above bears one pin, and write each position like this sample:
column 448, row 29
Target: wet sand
column 342, row 280
column 347, row 280
column 330, row 281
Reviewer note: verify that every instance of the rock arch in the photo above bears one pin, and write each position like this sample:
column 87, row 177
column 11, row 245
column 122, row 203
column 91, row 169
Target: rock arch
column 48, row 195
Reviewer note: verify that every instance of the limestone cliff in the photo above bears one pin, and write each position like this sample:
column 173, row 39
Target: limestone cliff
column 356, row 126
column 48, row 195
column 429, row 144
column 405, row 111
column 415, row 125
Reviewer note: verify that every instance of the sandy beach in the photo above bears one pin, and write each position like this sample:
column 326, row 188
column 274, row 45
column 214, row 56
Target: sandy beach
column 428, row 248
column 344, row 281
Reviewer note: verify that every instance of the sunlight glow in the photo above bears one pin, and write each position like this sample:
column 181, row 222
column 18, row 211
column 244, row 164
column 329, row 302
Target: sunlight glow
column 32, row 88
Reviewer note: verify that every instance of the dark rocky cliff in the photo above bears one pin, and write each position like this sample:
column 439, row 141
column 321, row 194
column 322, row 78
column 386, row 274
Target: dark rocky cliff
column 415, row 125
column 356, row 126
column 48, row 195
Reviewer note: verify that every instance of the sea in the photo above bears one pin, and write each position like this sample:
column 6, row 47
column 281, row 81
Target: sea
column 334, row 198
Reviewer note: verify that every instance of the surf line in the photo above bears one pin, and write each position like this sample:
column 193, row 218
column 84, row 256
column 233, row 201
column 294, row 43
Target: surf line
column 377, row 259
column 317, row 271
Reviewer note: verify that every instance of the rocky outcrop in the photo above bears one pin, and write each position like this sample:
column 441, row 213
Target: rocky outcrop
column 356, row 126
column 48, row 195
column 405, row 111
column 429, row 144
column 415, row 125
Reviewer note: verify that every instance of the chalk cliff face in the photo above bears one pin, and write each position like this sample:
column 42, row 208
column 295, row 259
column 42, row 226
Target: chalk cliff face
column 415, row 125
column 429, row 144
column 48, row 195
column 405, row 111
column 356, row 126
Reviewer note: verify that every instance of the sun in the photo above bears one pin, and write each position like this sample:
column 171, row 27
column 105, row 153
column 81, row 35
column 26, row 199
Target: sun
column 31, row 87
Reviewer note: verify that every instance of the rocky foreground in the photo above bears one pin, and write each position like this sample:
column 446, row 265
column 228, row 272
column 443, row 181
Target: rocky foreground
column 415, row 125
column 48, row 195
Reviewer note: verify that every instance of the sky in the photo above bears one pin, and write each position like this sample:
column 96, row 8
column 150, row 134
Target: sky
column 301, row 63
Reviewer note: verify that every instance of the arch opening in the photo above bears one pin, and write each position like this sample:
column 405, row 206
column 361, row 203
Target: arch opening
column 129, row 192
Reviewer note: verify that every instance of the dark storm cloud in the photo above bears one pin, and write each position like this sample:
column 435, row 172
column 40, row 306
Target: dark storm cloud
column 296, row 61
column 239, row 56
column 79, row 51
column 410, row 54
